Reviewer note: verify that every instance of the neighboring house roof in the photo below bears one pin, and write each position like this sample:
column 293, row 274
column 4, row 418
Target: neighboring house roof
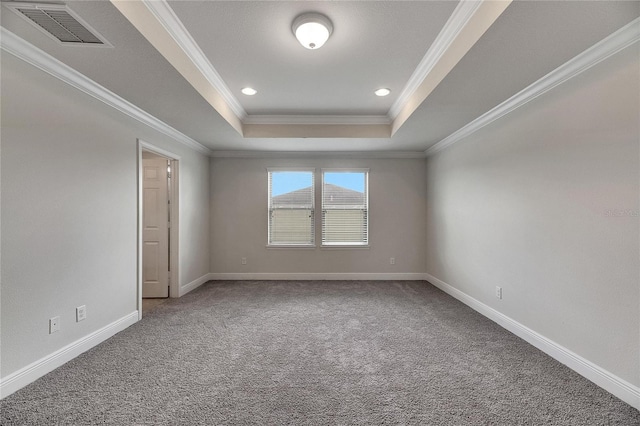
column 334, row 195
column 297, row 198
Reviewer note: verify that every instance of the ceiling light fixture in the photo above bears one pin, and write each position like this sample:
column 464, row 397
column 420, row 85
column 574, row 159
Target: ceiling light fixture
column 382, row 92
column 249, row 91
column 312, row 30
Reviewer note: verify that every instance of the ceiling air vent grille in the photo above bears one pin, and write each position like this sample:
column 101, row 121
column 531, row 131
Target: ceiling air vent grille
column 59, row 22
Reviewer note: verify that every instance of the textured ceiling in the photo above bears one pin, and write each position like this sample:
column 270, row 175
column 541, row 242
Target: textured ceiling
column 526, row 42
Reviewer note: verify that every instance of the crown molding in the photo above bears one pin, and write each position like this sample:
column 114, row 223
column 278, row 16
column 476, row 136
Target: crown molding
column 157, row 21
column 317, row 119
column 320, row 154
column 467, row 25
column 165, row 15
column 29, row 53
column 452, row 28
column 321, row 131
column 597, row 53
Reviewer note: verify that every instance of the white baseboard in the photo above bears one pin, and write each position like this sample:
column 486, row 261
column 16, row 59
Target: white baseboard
column 624, row 390
column 39, row 368
column 184, row 289
column 306, row 276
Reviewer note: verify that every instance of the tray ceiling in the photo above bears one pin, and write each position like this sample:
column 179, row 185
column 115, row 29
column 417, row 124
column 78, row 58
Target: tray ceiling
column 445, row 62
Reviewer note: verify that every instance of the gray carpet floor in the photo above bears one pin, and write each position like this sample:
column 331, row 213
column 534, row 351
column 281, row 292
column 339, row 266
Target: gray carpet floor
column 314, row 353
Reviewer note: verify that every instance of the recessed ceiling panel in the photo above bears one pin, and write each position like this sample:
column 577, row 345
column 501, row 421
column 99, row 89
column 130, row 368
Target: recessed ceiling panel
column 529, row 40
column 373, row 45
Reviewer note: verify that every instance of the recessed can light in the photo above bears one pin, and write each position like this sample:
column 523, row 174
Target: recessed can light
column 382, row 92
column 249, row 91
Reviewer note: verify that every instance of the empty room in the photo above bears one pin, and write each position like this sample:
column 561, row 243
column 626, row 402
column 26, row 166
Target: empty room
column 320, row 212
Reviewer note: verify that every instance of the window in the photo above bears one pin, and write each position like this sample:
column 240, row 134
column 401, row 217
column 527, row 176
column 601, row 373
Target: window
column 345, row 207
column 291, row 207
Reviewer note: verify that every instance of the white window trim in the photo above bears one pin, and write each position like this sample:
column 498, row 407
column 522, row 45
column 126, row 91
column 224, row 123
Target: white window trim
column 291, row 246
column 347, row 169
column 345, row 246
column 291, row 169
column 311, row 170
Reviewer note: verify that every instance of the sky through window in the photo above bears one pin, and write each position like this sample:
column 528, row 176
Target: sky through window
column 284, row 182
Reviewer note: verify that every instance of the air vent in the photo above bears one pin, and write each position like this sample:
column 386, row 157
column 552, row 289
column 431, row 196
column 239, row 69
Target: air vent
column 59, row 22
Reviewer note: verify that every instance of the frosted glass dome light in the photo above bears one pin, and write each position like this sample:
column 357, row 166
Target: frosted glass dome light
column 312, row 30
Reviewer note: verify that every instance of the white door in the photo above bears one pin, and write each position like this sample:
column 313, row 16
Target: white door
column 155, row 229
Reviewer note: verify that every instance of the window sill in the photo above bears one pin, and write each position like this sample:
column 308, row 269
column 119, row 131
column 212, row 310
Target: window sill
column 291, row 246
column 345, row 247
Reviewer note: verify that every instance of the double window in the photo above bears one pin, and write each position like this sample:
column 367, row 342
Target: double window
column 344, row 202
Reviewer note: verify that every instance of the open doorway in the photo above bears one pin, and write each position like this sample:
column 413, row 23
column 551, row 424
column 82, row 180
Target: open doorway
column 157, row 226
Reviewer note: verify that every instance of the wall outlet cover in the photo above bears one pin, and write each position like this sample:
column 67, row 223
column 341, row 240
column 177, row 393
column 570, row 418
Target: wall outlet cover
column 54, row 325
column 81, row 313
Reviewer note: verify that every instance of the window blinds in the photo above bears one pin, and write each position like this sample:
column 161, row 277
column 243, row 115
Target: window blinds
column 291, row 208
column 345, row 208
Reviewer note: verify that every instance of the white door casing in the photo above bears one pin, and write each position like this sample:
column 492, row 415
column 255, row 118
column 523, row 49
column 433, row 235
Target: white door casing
column 155, row 228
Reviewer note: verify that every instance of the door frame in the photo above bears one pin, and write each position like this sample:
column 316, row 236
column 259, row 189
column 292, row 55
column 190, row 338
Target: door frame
column 174, row 234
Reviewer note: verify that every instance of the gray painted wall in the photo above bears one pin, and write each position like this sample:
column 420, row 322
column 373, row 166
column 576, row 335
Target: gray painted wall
column 525, row 204
column 69, row 213
column 522, row 204
column 239, row 219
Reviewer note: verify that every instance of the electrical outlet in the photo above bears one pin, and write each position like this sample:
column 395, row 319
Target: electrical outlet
column 243, row 261
column 499, row 292
column 392, row 261
column 54, row 325
column 81, row 313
